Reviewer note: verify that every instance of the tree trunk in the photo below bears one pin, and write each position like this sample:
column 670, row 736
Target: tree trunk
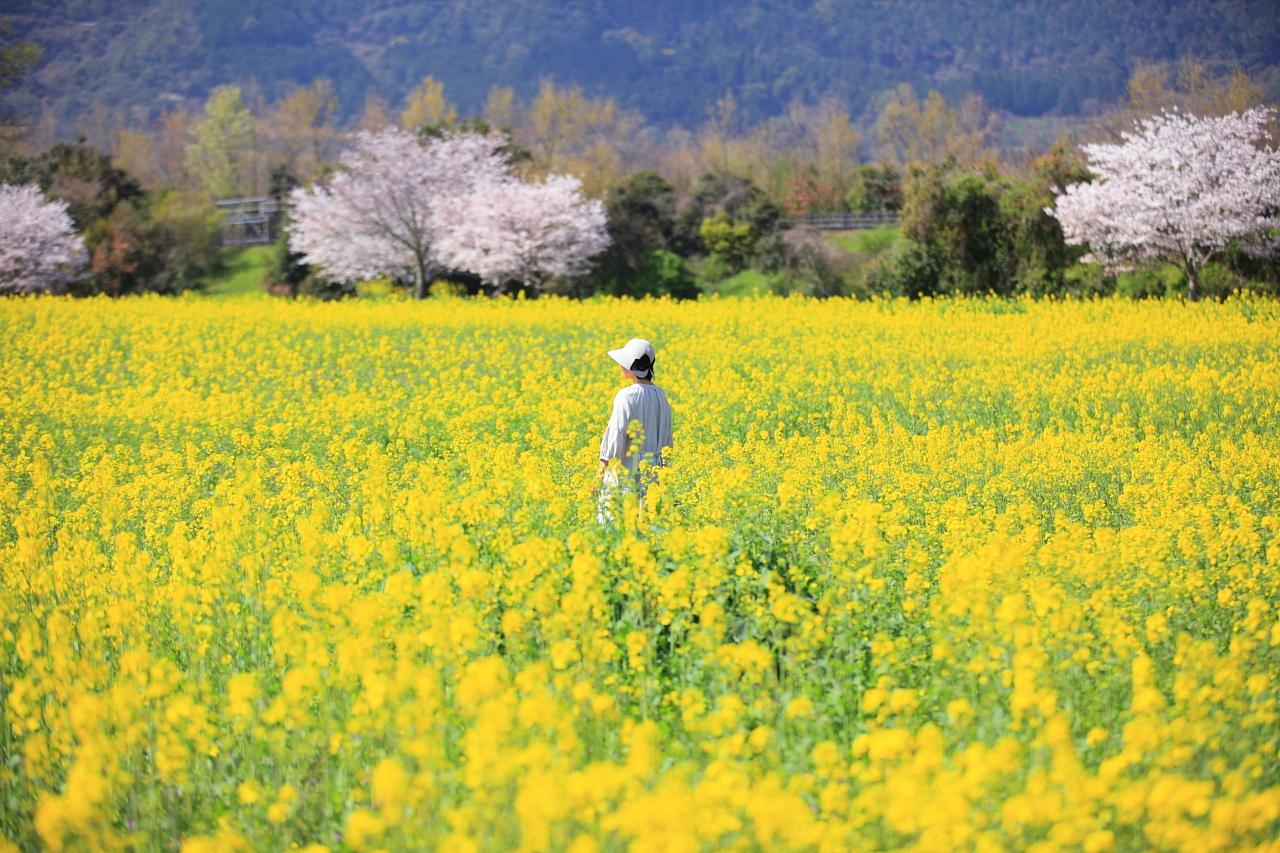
column 1193, row 282
column 420, row 281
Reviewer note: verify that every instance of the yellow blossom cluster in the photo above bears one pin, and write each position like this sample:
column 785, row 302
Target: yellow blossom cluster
column 964, row 574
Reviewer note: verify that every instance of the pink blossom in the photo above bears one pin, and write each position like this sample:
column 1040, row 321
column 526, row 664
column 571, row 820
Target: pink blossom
column 1177, row 189
column 39, row 249
column 509, row 230
column 376, row 215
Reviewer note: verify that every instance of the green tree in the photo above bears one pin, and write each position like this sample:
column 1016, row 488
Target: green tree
column 641, row 213
column 85, row 178
column 162, row 242
column 956, row 216
column 874, row 188
column 1040, row 252
column 223, row 144
column 970, row 231
column 731, row 197
column 730, row 239
column 161, row 245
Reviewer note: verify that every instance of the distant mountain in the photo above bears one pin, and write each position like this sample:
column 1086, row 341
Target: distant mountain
column 667, row 58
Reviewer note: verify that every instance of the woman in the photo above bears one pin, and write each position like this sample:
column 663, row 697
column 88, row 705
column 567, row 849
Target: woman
column 637, row 449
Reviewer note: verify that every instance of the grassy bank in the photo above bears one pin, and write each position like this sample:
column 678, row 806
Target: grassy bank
column 244, row 272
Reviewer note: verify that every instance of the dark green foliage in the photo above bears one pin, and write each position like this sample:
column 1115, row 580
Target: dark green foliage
column 474, row 124
column 1037, row 245
column 641, row 214
column 666, row 274
column 957, row 216
column 318, row 287
column 158, row 248
column 80, row 175
column 912, row 270
column 874, row 188
column 281, row 182
column 137, row 242
column 667, row 58
column 983, row 232
column 188, row 226
column 288, row 272
column 124, row 251
column 515, row 153
column 1258, row 271
column 728, row 198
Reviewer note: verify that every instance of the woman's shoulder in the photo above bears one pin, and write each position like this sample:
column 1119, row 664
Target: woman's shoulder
column 638, row 391
column 626, row 394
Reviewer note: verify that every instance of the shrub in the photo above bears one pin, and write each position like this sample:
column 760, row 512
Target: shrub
column 715, row 269
column 874, row 188
column 445, row 289
column 732, row 240
column 641, row 214
column 1151, row 282
column 666, row 273
column 911, row 270
column 732, row 197
column 809, row 264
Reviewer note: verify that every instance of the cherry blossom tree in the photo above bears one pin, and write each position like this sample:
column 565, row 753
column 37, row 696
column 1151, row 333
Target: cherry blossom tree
column 39, row 249
column 1178, row 189
column 377, row 214
column 512, row 230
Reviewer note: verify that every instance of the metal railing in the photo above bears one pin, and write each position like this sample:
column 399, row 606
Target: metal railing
column 846, row 221
column 251, row 221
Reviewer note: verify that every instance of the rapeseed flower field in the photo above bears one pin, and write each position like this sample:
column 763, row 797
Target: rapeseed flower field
column 946, row 575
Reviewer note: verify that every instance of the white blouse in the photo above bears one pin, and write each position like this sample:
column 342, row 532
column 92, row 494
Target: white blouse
column 646, row 404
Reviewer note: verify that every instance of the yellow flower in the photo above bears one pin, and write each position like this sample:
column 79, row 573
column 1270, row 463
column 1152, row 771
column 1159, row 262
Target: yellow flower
column 390, row 784
column 363, row 829
column 259, row 536
column 249, row 792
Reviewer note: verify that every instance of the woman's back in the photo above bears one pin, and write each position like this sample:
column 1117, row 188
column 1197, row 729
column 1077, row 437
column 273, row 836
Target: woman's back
column 647, row 406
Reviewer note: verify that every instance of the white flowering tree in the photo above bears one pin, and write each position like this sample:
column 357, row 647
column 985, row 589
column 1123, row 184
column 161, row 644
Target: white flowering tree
column 1177, row 189
column 39, row 249
column 511, row 230
column 377, row 214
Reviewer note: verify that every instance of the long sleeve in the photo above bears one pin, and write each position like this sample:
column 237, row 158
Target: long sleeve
column 666, row 440
column 614, row 443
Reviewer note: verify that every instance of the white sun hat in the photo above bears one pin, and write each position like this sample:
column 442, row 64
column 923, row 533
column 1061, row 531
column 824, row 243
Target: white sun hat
column 637, row 356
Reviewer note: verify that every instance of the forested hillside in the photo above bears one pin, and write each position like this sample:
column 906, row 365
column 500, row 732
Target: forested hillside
column 668, row 59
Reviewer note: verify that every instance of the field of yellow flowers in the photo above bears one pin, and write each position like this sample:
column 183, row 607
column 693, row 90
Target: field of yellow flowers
column 956, row 575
